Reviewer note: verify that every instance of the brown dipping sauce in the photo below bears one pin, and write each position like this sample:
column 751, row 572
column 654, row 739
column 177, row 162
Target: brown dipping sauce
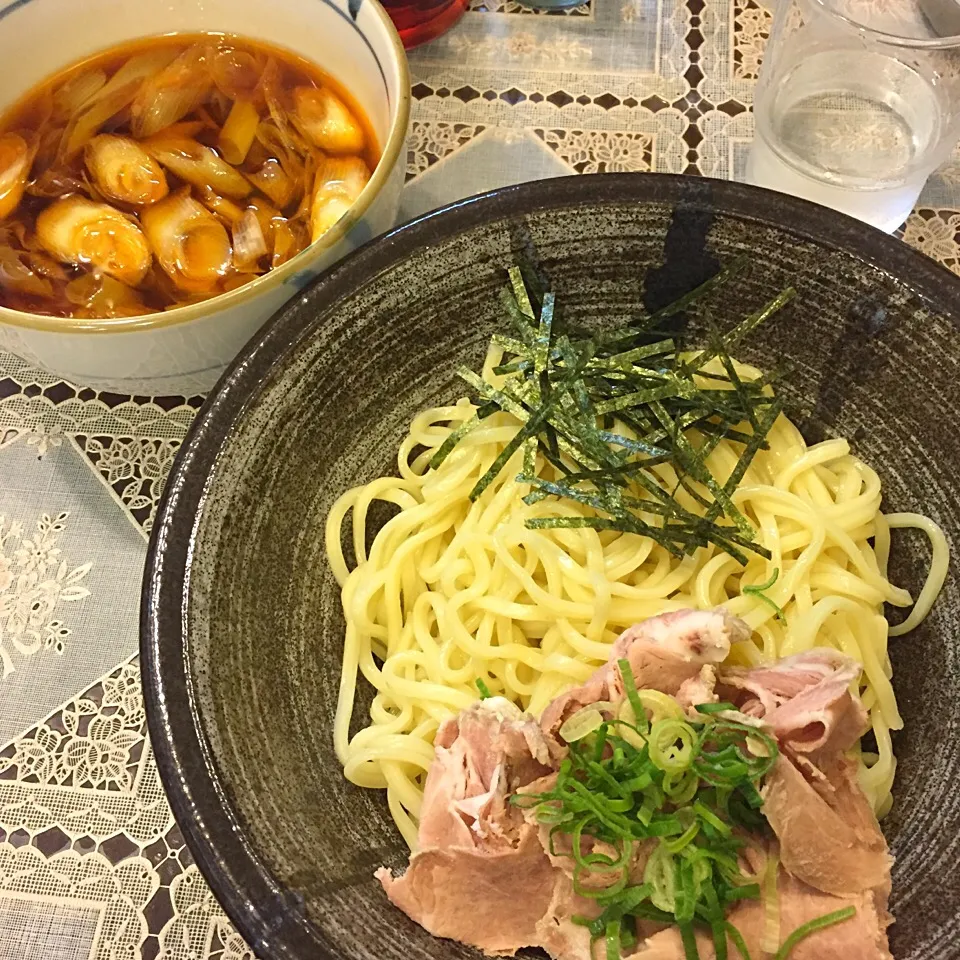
column 170, row 170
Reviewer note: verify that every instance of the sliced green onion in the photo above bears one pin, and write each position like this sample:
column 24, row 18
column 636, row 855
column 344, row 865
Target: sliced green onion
column 813, row 926
column 681, row 787
column 630, row 687
column 634, row 897
column 684, row 840
column 770, row 939
column 597, row 893
column 753, row 795
column 612, row 937
column 750, row 891
column 612, row 787
column 734, row 934
column 580, row 724
column 638, row 784
column 649, row 912
column 646, row 811
column 672, row 745
column 600, row 742
column 705, row 813
column 710, row 708
column 757, row 590
column 484, row 689
column 719, row 931
column 660, row 875
column 689, row 939
column 667, row 827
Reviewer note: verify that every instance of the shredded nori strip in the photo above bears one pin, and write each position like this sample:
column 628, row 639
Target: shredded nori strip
column 607, row 410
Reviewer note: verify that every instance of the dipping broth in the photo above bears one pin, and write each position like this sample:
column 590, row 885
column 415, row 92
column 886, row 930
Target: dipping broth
column 168, row 171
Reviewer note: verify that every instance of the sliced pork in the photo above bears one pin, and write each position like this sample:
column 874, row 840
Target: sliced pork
column 828, row 834
column 806, row 700
column 833, row 845
column 491, row 899
column 484, row 873
column 862, row 937
column 482, row 756
column 698, row 690
column 481, row 875
column 558, row 934
column 664, row 653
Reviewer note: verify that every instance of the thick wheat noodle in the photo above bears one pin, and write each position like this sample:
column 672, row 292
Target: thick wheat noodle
column 453, row 591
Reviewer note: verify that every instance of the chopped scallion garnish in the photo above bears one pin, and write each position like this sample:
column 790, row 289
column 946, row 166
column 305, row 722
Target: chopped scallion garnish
column 757, row 590
column 821, row 923
column 711, row 708
column 633, row 697
column 686, row 785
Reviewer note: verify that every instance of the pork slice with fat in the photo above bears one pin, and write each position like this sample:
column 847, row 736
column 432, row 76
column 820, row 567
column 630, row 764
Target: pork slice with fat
column 480, row 874
column 862, row 937
column 482, row 755
column 664, row 653
column 806, row 700
column 493, row 900
column 829, row 839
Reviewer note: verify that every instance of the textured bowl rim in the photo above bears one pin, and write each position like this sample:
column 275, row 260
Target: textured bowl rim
column 393, row 150
column 270, row 919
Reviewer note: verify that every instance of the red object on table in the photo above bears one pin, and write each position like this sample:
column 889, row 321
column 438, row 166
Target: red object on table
column 421, row 20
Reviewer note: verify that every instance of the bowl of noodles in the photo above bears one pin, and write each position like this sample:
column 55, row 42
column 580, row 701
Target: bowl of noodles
column 570, row 569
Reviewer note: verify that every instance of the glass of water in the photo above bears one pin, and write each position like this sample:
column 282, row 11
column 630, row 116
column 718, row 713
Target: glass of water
column 858, row 102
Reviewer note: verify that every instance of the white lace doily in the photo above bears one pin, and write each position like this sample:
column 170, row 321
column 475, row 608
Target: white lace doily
column 91, row 863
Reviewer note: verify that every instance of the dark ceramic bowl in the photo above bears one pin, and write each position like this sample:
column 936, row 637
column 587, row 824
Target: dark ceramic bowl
column 241, row 623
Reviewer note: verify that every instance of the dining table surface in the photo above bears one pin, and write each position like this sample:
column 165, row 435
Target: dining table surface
column 92, row 864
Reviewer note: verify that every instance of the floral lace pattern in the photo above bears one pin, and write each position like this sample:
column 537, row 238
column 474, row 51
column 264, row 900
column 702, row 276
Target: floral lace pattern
column 85, row 781
column 135, row 906
column 93, row 751
column 88, row 769
column 44, row 442
column 516, row 46
column 937, row 234
column 430, row 141
column 601, row 151
column 118, row 893
column 199, row 927
column 135, row 468
column 35, row 580
column 732, row 37
column 38, row 404
column 513, row 6
column 751, row 28
column 598, row 56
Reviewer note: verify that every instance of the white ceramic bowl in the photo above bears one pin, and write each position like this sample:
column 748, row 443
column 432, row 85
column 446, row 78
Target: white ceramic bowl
column 184, row 350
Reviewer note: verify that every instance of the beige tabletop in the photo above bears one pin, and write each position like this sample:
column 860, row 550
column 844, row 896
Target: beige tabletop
column 92, row 866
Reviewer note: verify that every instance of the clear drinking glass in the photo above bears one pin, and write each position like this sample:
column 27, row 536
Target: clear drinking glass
column 858, row 102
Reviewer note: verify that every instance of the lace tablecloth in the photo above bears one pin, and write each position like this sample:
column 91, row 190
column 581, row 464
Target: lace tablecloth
column 92, row 865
